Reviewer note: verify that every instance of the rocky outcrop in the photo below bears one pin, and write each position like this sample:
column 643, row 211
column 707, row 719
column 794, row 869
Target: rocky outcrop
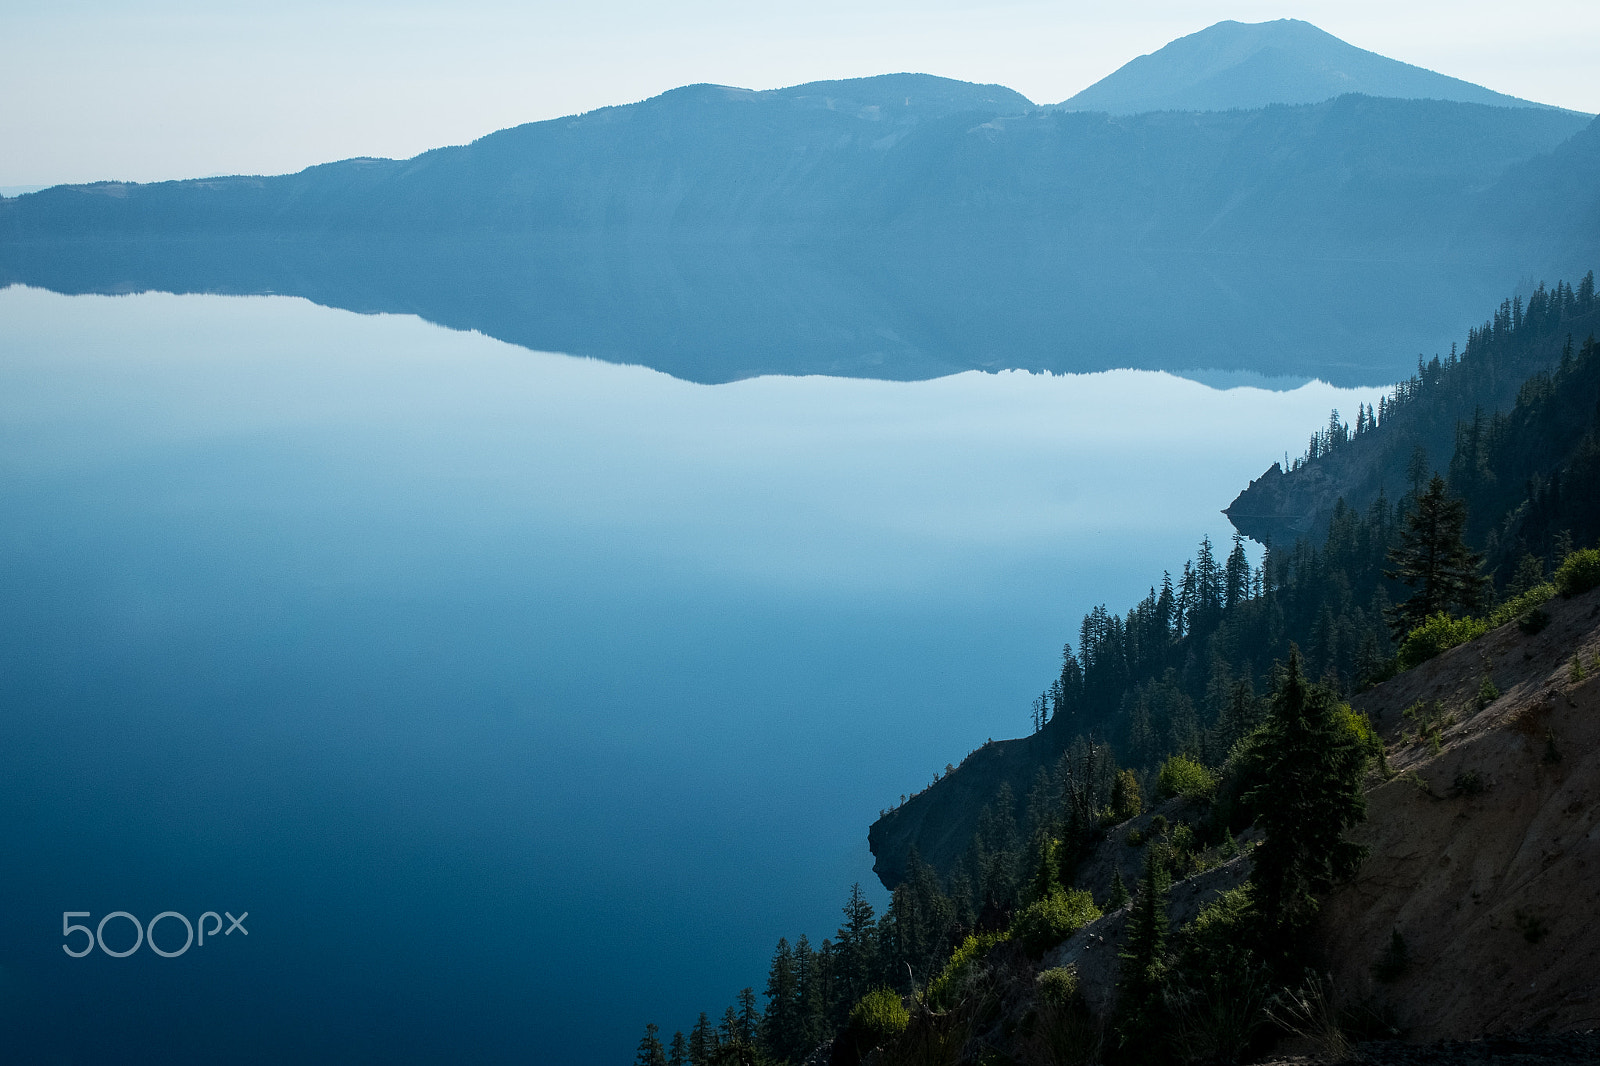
column 939, row 821
column 1280, row 508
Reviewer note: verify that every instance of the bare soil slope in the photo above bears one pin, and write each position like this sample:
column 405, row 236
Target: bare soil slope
column 1485, row 852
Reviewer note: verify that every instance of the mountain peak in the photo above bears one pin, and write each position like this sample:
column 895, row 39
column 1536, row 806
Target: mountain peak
column 1254, row 64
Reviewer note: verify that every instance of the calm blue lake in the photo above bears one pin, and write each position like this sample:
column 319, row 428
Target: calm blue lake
column 520, row 699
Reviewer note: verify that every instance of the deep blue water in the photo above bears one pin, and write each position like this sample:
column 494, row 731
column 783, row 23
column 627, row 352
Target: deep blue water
column 519, row 699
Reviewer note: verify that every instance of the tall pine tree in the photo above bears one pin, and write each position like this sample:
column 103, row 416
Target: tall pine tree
column 1433, row 558
column 702, row 1041
column 1310, row 766
column 1144, row 962
column 782, row 1028
column 651, row 1053
column 856, row 952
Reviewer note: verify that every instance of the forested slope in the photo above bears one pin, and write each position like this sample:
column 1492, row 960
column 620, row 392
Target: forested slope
column 1183, row 670
column 1417, row 428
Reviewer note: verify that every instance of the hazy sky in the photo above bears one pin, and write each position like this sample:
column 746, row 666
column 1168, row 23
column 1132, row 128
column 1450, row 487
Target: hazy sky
column 152, row 89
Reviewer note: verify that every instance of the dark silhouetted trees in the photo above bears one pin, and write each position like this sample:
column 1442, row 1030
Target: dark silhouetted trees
column 1433, row 559
column 1309, row 764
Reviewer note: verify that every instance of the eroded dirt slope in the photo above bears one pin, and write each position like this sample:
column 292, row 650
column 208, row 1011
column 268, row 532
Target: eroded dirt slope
column 1485, row 852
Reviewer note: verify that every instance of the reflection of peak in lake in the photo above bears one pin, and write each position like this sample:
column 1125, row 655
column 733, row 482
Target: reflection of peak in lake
column 716, row 234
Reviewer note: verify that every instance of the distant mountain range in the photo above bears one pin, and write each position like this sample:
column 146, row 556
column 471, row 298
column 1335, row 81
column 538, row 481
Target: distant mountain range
column 1250, row 65
column 902, row 226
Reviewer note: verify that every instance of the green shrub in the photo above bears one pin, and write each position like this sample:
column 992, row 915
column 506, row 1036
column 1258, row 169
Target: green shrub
column 1359, row 726
column 1182, row 838
column 1523, row 606
column 945, row 990
column 934, row 1038
column 1040, row 926
column 1062, row 1031
column 1218, row 987
column 1578, row 572
column 1223, row 928
column 879, row 1017
column 1182, row 776
column 1488, row 692
column 1058, row 984
column 1183, row 851
column 1438, row 634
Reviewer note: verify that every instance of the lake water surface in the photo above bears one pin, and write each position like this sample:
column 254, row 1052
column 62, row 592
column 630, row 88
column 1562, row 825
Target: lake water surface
column 520, row 699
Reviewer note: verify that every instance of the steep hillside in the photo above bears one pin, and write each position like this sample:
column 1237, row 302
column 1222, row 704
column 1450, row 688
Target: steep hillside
column 1468, row 920
column 1181, row 670
column 1484, row 852
column 1248, row 65
column 1417, row 426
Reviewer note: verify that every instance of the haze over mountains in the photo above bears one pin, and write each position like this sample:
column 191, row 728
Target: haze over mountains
column 908, row 226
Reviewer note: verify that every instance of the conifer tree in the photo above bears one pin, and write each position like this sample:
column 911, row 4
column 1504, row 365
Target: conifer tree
column 1188, row 596
column 816, row 969
column 1166, row 610
column 1066, row 692
column 1125, row 799
column 1002, row 847
column 749, row 1016
column 781, row 1026
column 1417, row 470
column 651, row 1053
column 1208, row 578
column 917, row 927
column 678, row 1050
column 1310, row 767
column 856, row 952
column 1529, row 572
column 1236, row 574
column 1144, row 960
column 1118, row 897
column 1085, row 769
column 1433, row 558
column 1238, row 715
column 1046, row 867
column 702, row 1041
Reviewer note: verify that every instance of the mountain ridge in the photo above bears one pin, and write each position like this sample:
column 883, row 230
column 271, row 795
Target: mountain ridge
column 1248, row 65
column 901, row 226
